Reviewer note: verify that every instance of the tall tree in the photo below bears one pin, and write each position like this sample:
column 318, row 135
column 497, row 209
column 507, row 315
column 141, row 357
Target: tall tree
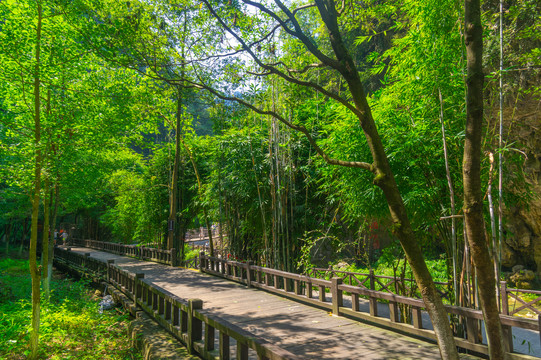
column 356, row 102
column 34, row 271
column 473, row 197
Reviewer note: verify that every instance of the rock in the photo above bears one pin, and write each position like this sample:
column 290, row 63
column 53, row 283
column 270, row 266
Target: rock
column 524, row 285
column 528, row 275
column 342, row 265
column 522, row 279
column 509, row 257
column 537, row 253
column 522, row 234
column 107, row 303
column 154, row 342
column 517, row 268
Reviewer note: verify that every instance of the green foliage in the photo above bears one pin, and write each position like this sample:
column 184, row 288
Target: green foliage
column 190, row 253
column 71, row 325
column 111, row 75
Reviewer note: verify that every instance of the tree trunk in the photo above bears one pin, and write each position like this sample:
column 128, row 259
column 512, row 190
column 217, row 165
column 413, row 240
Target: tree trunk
column 45, row 260
column 45, row 239
column 263, row 219
column 34, row 270
column 50, row 248
column 173, row 200
column 23, row 235
column 385, row 180
column 9, row 226
column 473, row 201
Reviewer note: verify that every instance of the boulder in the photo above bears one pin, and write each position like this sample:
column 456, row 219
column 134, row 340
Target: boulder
column 342, row 265
column 509, row 257
column 517, row 268
column 537, row 253
column 524, row 285
column 522, row 279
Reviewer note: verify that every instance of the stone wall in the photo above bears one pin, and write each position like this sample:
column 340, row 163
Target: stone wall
column 523, row 223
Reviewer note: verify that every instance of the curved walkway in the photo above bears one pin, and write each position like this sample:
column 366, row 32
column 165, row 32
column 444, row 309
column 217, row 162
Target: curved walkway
column 303, row 330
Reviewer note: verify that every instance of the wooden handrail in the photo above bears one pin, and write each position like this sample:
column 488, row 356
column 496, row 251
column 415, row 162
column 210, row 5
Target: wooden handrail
column 299, row 287
column 185, row 320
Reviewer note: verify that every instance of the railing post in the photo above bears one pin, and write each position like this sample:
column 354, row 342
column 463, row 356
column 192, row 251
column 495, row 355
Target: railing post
column 507, row 330
column 373, row 304
column 173, row 257
column 195, row 330
column 337, row 298
column 539, row 324
column 137, row 288
column 372, row 280
column 393, row 312
column 168, row 308
column 472, row 329
column 242, row 351
column 417, row 317
column 224, row 346
column 209, row 337
column 87, row 255
column 176, row 315
column 109, row 263
column 258, row 276
column 249, row 273
column 322, row 293
column 201, row 261
column 297, row 287
column 355, row 302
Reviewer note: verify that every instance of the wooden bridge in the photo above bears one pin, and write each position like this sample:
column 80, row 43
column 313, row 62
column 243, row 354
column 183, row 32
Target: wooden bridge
column 293, row 318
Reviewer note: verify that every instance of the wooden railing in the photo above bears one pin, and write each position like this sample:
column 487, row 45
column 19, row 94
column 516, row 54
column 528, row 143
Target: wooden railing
column 510, row 293
column 315, row 291
column 167, row 257
column 203, row 333
column 390, row 284
column 369, row 280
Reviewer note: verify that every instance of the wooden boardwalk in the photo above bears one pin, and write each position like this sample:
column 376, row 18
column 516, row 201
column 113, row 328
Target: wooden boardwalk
column 303, row 330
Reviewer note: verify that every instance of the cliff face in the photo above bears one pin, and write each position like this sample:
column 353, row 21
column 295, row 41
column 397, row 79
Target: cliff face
column 523, row 224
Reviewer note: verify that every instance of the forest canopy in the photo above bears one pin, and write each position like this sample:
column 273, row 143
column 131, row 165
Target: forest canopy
column 308, row 134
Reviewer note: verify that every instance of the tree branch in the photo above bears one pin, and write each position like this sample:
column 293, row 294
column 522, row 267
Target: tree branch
column 300, row 128
column 274, row 70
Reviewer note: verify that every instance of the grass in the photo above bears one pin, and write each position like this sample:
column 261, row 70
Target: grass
column 71, row 326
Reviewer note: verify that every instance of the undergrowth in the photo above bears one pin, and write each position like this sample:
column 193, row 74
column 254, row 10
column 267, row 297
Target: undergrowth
column 71, row 326
column 190, row 253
